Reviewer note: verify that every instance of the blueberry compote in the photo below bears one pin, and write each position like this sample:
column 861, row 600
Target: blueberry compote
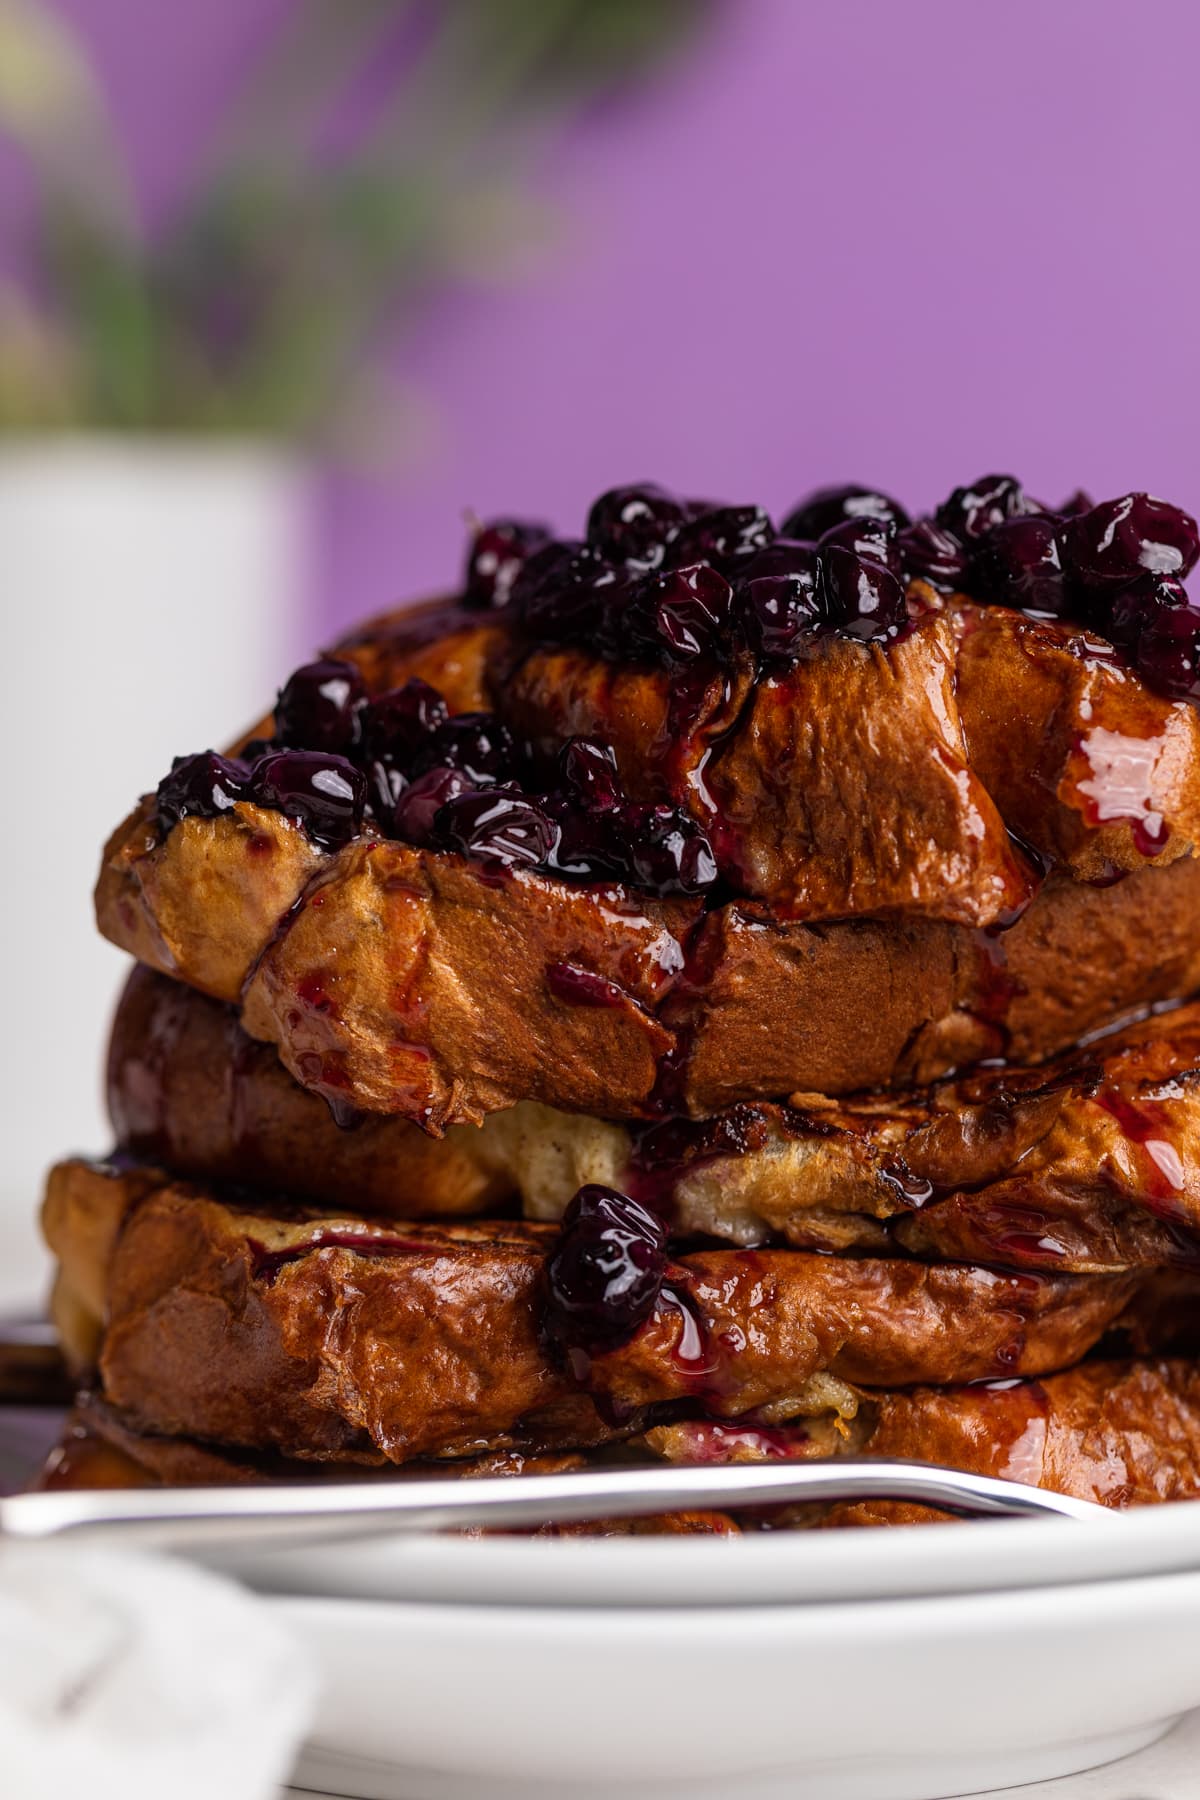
column 604, row 1274
column 460, row 784
column 695, row 589
column 681, row 583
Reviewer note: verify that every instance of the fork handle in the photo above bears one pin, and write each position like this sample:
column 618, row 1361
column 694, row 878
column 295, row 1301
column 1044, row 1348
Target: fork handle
column 187, row 1518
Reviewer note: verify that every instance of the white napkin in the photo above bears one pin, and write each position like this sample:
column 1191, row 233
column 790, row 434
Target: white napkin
column 127, row 1676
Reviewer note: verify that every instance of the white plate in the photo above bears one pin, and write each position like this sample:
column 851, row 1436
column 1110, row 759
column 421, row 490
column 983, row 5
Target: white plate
column 770, row 1569
column 884, row 1700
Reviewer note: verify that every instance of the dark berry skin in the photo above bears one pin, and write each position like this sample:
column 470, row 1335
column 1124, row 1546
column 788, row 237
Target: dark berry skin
column 679, row 615
column 386, row 781
column 1168, row 650
column 325, row 793
column 666, row 851
column 418, row 805
column 319, row 707
column 500, row 823
column 927, row 553
column 563, row 592
column 201, row 787
column 1121, row 539
column 1158, row 629
column 476, row 743
column 590, row 846
column 872, row 538
column 399, row 724
column 1122, row 614
column 721, row 536
column 605, row 1272
column 588, row 771
column 1018, row 564
column 778, row 601
column 819, row 512
column 634, row 525
column 972, row 511
column 495, row 557
column 864, row 599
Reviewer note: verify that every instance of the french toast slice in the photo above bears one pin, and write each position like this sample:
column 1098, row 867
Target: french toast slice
column 335, row 1335
column 1090, row 1164
column 395, row 979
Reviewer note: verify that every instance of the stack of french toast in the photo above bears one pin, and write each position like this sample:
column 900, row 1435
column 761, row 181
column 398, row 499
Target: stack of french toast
column 706, row 991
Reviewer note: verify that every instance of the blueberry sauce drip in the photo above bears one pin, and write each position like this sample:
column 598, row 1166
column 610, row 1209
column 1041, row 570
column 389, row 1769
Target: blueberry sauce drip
column 604, row 1275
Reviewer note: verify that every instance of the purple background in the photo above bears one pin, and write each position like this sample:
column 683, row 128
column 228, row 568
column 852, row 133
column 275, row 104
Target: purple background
column 906, row 243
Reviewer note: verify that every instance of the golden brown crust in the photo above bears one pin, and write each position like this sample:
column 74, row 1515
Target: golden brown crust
column 400, row 980
column 840, row 788
column 867, row 778
column 1082, row 759
column 864, row 1003
column 416, row 984
column 189, row 1089
column 204, row 904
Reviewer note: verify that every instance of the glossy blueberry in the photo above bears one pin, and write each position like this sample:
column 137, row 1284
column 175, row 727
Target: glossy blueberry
column 820, row 511
column 500, row 823
column 590, row 846
column 873, row 538
column 589, row 774
column 605, row 1271
column 319, row 707
column 563, row 592
column 778, row 600
column 325, row 793
column 1121, row 613
column 679, row 615
column 927, row 553
column 476, row 743
column 398, row 725
column 1168, row 649
column 634, row 525
column 201, row 787
column 665, row 850
column 864, row 599
column 386, row 781
column 1121, row 539
column 418, row 805
column 971, row 511
column 722, row 535
column 1018, row 563
column 495, row 557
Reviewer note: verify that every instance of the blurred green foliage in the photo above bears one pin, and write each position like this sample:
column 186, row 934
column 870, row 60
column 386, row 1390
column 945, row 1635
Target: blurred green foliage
column 258, row 307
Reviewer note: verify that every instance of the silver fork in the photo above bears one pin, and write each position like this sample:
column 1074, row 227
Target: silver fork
column 187, row 1518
